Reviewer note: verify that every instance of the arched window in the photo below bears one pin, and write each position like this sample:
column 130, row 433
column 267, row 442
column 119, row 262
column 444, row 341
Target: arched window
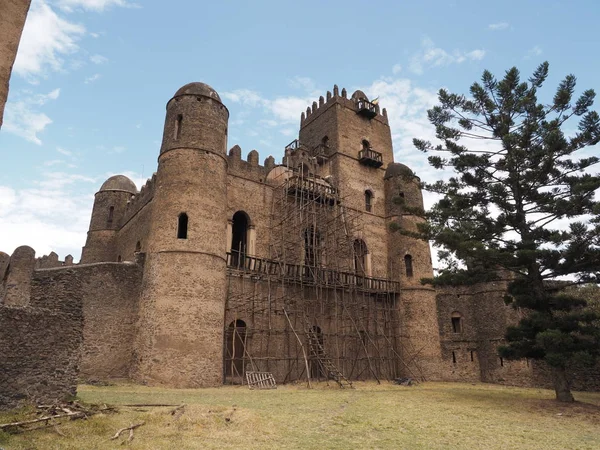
column 368, row 200
column 456, row 319
column 325, row 141
column 235, row 348
column 304, row 170
column 178, row 126
column 408, row 264
column 360, row 258
column 365, row 145
column 312, row 251
column 138, row 247
column 317, row 350
column 182, row 226
column 239, row 238
column 119, row 258
column 111, row 213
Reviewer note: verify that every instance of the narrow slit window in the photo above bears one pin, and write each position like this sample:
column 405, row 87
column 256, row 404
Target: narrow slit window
column 111, row 213
column 178, row 126
column 182, row 226
column 472, row 356
column 453, row 357
column 368, row 201
column 502, row 362
column 456, row 320
column 408, row 264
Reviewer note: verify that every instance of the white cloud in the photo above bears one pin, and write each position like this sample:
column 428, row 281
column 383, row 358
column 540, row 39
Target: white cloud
column 534, row 51
column 47, row 39
column 24, row 119
column 396, row 69
column 62, row 151
column 92, row 5
column 498, row 26
column 432, row 56
column 98, row 59
column 93, row 78
column 246, row 97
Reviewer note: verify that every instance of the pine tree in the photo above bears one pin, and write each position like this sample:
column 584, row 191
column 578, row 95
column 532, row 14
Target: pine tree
column 518, row 201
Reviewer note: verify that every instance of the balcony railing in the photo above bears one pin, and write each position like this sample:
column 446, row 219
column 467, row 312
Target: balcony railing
column 312, row 188
column 298, row 273
column 366, row 108
column 370, row 157
column 294, row 145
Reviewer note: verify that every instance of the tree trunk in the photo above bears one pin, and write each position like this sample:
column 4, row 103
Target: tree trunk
column 561, row 385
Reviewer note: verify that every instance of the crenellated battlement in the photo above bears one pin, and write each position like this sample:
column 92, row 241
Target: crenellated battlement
column 250, row 167
column 357, row 102
column 51, row 261
column 141, row 199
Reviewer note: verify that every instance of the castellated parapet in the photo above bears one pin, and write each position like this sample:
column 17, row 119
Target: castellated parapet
column 219, row 265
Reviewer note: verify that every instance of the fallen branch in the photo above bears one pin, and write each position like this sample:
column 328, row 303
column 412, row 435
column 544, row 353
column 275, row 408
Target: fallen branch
column 73, row 415
column 130, row 429
column 135, row 405
column 178, row 410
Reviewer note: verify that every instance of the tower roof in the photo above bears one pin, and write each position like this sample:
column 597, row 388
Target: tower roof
column 119, row 183
column 198, row 88
column 397, row 169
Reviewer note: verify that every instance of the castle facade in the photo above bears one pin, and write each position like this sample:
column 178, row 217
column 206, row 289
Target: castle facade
column 219, row 266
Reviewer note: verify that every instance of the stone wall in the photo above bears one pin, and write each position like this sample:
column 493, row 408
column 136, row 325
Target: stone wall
column 12, row 21
column 40, row 346
column 109, row 296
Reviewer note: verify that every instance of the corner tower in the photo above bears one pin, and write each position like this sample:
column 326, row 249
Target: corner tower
column 180, row 339
column 110, row 204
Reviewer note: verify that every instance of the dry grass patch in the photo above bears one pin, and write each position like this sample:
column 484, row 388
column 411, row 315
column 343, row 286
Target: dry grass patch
column 427, row 416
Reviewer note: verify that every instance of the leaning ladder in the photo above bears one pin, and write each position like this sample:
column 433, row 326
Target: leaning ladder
column 318, row 352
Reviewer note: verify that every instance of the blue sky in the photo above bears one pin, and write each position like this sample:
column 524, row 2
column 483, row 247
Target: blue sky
column 92, row 78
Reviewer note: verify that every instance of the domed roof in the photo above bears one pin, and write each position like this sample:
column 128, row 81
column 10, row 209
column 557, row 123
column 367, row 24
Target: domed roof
column 198, row 88
column 119, row 183
column 397, row 169
column 359, row 95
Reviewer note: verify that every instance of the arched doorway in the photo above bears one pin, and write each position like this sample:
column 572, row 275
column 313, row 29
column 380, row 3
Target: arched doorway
column 235, row 346
column 239, row 238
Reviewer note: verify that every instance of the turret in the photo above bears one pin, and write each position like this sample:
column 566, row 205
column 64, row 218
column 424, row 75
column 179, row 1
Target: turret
column 183, row 300
column 409, row 260
column 110, row 203
column 15, row 289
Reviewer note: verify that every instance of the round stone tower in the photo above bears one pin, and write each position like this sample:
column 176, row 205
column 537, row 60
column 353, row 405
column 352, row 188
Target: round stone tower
column 409, row 260
column 110, row 204
column 180, row 339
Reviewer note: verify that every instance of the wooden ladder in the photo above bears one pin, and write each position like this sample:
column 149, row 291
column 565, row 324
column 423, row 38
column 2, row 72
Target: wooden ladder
column 318, row 352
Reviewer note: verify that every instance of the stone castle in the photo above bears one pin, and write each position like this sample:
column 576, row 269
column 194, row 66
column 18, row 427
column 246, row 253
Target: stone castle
column 219, row 265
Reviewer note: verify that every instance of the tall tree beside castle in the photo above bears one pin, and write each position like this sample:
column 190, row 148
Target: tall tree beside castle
column 520, row 201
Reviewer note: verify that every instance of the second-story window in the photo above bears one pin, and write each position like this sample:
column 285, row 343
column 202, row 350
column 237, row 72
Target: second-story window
column 182, row 226
column 408, row 264
column 111, row 213
column 178, row 126
column 368, row 201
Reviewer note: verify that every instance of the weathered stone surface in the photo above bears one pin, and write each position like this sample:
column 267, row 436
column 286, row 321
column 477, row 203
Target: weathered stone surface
column 12, row 21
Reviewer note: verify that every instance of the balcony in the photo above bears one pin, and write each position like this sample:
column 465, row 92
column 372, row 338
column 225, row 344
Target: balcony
column 294, row 145
column 370, row 157
column 297, row 273
column 366, row 108
column 312, row 188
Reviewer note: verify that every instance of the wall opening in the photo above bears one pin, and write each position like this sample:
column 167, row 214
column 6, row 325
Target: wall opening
column 317, row 350
column 182, row 226
column 235, row 348
column 456, row 319
column 312, row 250
column 239, row 238
column 138, row 247
column 365, row 145
column 119, row 258
column 111, row 213
column 453, row 357
column 304, row 170
column 368, row 200
column 178, row 126
column 408, row 264
column 502, row 362
column 360, row 258
column 472, row 355
column 325, row 141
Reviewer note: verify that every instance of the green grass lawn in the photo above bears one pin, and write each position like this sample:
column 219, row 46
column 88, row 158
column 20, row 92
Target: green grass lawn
column 426, row 416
